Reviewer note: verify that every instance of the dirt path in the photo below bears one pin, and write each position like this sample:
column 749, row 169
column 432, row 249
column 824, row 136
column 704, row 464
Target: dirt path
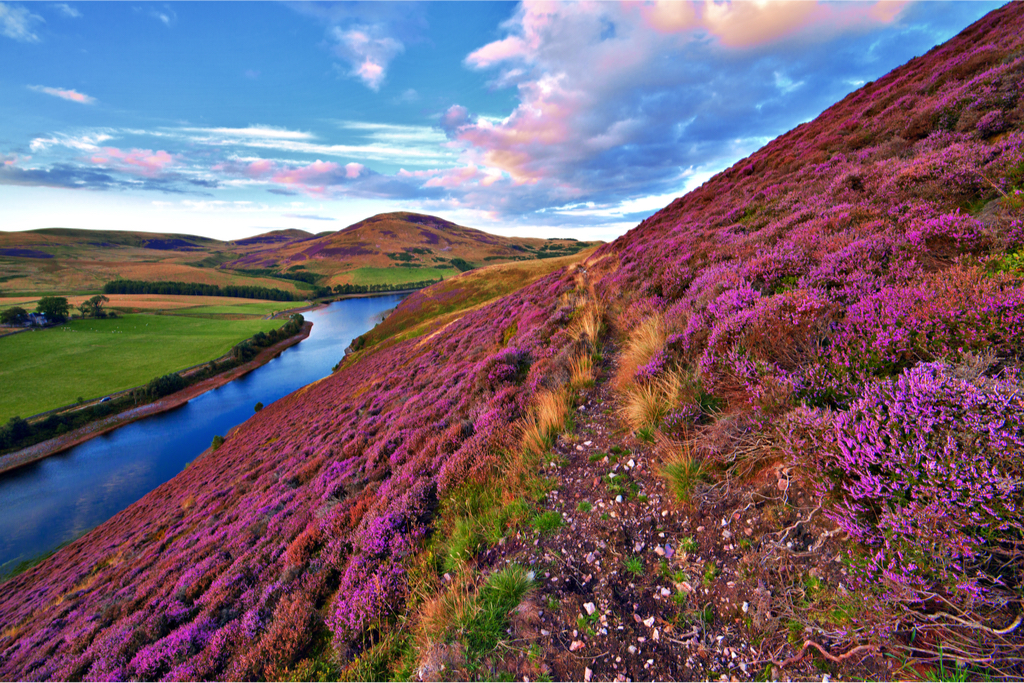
column 58, row 444
column 638, row 586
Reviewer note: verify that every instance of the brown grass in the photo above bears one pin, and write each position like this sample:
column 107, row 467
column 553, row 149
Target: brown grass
column 681, row 467
column 547, row 417
column 581, row 371
column 645, row 340
column 646, row 404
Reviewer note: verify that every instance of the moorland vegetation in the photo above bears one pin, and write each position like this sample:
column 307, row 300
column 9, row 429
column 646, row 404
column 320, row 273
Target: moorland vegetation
column 846, row 304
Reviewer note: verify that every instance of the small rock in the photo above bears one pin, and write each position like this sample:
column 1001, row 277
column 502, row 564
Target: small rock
column 631, row 649
column 579, row 448
column 684, row 586
column 588, row 443
column 748, row 531
column 631, row 463
column 656, row 635
column 590, row 607
column 783, row 484
column 638, row 547
column 618, row 499
column 576, row 645
column 649, row 622
column 700, row 528
column 590, row 558
column 659, row 551
column 545, row 632
column 587, row 673
column 746, row 607
column 727, row 535
column 637, row 618
column 665, row 592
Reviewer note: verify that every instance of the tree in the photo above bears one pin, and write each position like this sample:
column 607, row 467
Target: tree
column 53, row 307
column 13, row 316
column 94, row 307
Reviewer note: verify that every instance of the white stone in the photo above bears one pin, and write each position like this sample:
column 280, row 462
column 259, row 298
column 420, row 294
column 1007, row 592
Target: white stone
column 590, row 607
column 649, row 622
column 587, row 673
column 576, row 645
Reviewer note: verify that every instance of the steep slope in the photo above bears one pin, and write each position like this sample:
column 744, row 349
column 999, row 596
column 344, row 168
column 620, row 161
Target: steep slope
column 408, row 244
column 842, row 311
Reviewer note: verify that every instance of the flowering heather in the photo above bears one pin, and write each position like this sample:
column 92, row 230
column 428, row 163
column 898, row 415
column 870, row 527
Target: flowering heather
column 831, row 271
column 925, row 470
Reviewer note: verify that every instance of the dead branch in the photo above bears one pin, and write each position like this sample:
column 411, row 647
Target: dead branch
column 826, row 654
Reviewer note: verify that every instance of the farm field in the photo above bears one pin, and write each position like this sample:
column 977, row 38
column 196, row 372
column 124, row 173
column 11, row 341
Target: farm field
column 135, row 303
column 397, row 276
column 46, row 369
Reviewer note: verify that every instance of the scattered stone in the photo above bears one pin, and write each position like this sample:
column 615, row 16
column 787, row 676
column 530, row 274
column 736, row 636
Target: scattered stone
column 665, row 592
column 587, row 674
column 590, row 607
column 649, row 622
column 588, row 443
column 631, row 649
column 576, row 645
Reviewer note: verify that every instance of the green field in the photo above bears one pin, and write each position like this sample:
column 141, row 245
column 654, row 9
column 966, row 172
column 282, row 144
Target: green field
column 397, row 276
column 258, row 309
column 45, row 369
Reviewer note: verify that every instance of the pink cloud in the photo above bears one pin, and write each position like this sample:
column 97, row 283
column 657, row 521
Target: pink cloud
column 70, row 95
column 353, row 170
column 317, row 173
column 145, row 162
column 748, row 24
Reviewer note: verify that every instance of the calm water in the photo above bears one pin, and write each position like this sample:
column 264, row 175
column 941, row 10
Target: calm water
column 58, row 499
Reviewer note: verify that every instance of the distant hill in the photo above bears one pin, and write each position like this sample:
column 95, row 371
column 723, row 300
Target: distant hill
column 393, row 249
column 411, row 246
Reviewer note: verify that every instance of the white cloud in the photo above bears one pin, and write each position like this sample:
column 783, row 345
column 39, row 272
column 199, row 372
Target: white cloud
column 87, row 142
column 16, row 23
column 64, row 94
column 67, row 10
column 254, row 132
column 368, row 50
column 166, row 16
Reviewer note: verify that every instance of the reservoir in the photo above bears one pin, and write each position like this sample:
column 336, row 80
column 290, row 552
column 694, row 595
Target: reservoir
column 58, row 499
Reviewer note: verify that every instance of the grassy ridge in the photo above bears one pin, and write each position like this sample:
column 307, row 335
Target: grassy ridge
column 397, row 276
column 46, row 369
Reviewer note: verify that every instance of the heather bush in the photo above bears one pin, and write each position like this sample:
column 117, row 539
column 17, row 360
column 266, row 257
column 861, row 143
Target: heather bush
column 924, row 470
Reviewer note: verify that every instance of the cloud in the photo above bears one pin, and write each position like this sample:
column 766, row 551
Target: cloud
column 368, row 51
column 618, row 101
column 144, row 162
column 76, row 177
column 367, row 37
column 253, row 132
column 16, row 23
column 70, row 95
column 85, row 142
column 166, row 16
column 307, row 217
column 67, row 10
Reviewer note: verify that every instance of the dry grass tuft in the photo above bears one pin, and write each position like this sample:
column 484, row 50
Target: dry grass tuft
column 681, row 467
column 581, row 371
column 548, row 416
column 588, row 322
column 647, row 404
column 645, row 340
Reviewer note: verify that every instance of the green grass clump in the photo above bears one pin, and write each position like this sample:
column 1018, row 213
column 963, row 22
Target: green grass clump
column 584, row 506
column 634, row 565
column 547, row 522
column 484, row 625
column 50, row 368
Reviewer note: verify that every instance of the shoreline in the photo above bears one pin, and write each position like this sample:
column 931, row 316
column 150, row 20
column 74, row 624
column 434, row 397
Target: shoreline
column 58, row 444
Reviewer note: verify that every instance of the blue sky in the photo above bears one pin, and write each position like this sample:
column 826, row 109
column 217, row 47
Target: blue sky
column 539, row 119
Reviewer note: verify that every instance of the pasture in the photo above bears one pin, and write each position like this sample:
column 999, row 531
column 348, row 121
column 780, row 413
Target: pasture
column 45, row 369
column 397, row 276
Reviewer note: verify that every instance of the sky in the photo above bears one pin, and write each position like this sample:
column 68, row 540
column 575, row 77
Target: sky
column 564, row 119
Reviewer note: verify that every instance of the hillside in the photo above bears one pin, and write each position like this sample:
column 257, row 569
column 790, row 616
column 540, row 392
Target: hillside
column 396, row 246
column 387, row 249
column 774, row 431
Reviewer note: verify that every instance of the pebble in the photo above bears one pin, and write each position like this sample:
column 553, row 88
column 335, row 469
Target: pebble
column 665, row 592
column 588, row 443
column 649, row 622
column 727, row 535
column 631, row 463
column 579, row 448
column 631, row 649
column 590, row 607
column 587, row 674
column 746, row 607
column 576, row 645
column 618, row 499
column 545, row 632
column 659, row 551
column 656, row 635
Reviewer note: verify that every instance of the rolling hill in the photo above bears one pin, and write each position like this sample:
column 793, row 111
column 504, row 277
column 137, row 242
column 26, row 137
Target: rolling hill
column 773, row 431
column 387, row 249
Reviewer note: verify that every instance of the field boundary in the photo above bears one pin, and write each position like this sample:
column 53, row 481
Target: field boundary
column 62, row 443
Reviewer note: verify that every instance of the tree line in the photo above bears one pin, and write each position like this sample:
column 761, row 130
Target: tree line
column 196, row 289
